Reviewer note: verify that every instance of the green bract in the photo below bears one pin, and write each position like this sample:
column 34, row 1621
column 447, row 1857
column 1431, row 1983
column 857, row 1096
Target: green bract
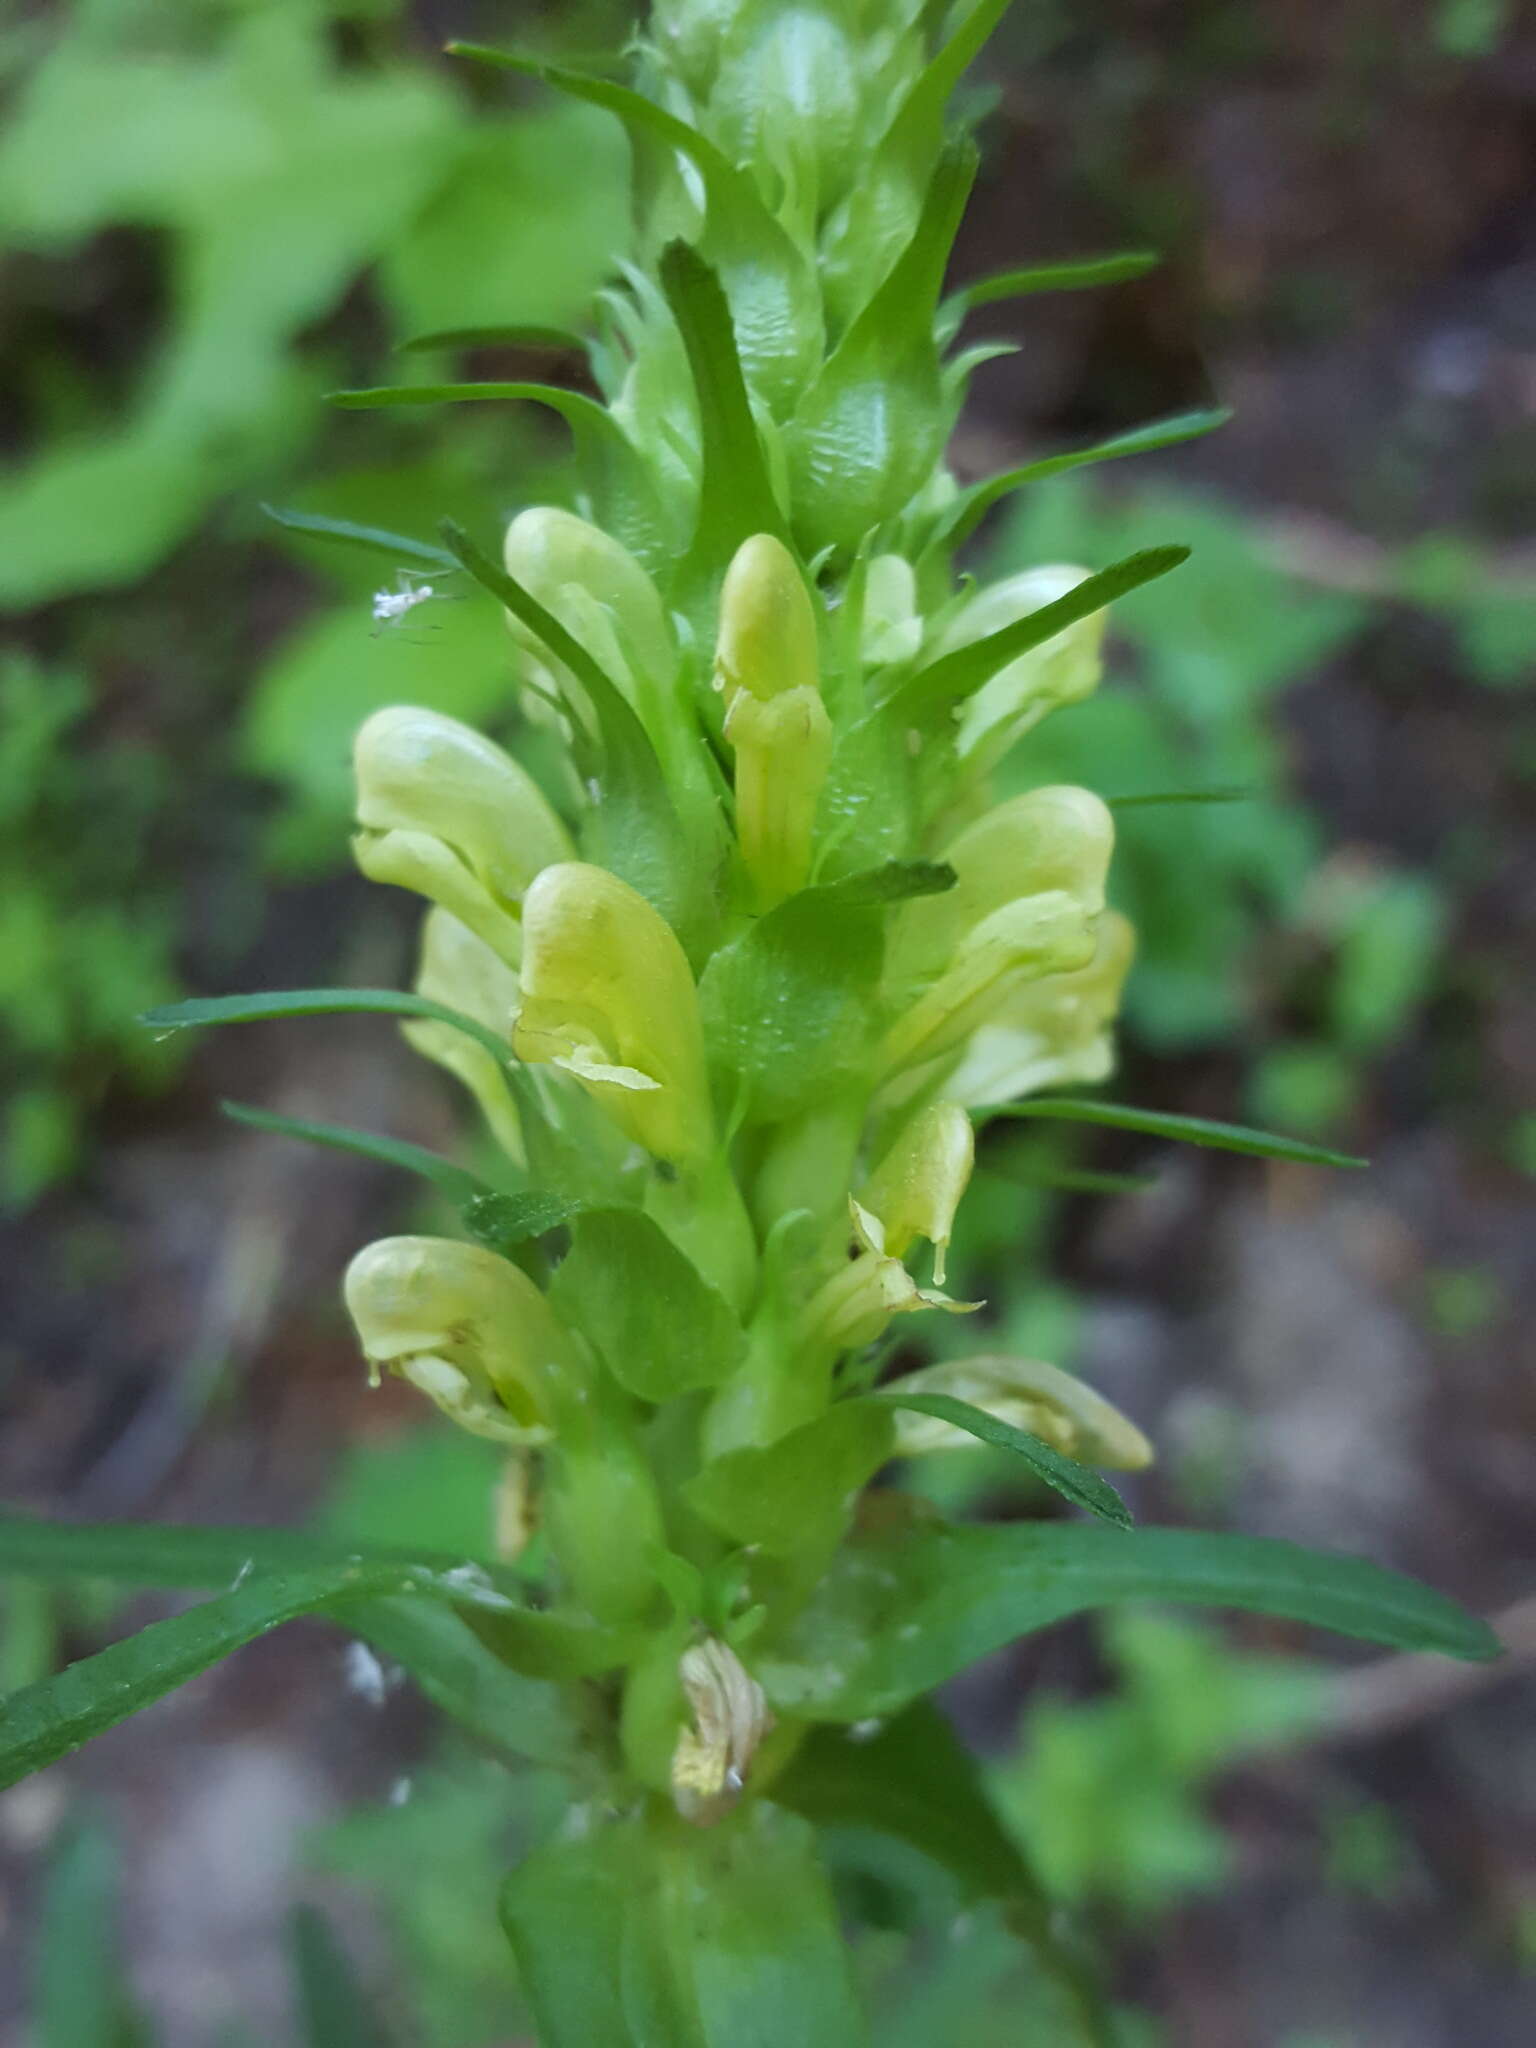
column 728, row 985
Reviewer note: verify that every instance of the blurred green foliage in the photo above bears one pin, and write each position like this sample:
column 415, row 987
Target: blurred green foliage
column 1108, row 1793
column 179, row 301
column 86, row 923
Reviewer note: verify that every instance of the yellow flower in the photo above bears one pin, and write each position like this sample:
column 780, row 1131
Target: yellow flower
column 466, row 1328
column 1053, row 1033
column 448, row 813
column 607, row 995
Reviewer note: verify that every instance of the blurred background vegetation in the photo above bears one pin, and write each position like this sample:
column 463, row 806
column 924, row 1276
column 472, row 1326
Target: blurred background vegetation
column 214, row 211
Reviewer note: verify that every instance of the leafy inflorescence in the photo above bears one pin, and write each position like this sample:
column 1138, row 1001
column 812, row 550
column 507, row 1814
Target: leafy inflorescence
column 732, row 985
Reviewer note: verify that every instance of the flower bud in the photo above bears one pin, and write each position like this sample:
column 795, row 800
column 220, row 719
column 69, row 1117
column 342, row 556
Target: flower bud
column 728, row 1719
column 915, row 1189
column 1060, row 671
column 1029, row 1395
column 463, row 972
column 608, row 996
column 787, row 99
column 1051, row 1033
column 692, row 32
column 892, row 628
column 852, row 1309
column 468, row 1329
column 766, row 664
column 445, row 811
column 601, row 595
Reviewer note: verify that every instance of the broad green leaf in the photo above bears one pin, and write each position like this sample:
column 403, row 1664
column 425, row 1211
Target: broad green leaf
column 786, row 1006
column 1082, row 273
column 563, row 1909
column 53, row 1718
column 561, row 340
column 332, row 2010
column 911, row 1602
column 974, row 503
column 660, row 1326
column 1187, row 1130
column 257, row 1008
column 953, row 676
column 792, row 1497
column 376, row 540
column 1073, row 1481
column 736, row 498
column 81, row 1995
column 456, row 1182
column 915, row 1780
column 746, row 1915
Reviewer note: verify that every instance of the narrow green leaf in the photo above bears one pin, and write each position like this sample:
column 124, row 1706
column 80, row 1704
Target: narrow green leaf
column 634, row 830
column 912, row 1602
column 53, row 1718
column 1074, row 1482
column 193, row 1556
column 974, row 503
column 953, row 676
column 201, row 1011
column 588, row 420
column 377, row 540
column 659, row 1325
column 553, row 339
column 736, row 498
column 381, row 396
column 433, row 1642
column 456, row 1182
column 522, row 603
column 792, row 1496
column 915, row 1780
column 1230, row 793
column 1081, row 273
column 1186, row 1130
column 333, row 2012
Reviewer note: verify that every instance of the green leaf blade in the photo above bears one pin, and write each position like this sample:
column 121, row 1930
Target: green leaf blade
column 953, row 676
column 660, row 1326
column 908, row 1605
column 456, row 1182
column 53, row 1718
column 263, row 1006
column 1081, row 273
column 1073, row 1481
column 377, row 540
column 1187, row 1130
